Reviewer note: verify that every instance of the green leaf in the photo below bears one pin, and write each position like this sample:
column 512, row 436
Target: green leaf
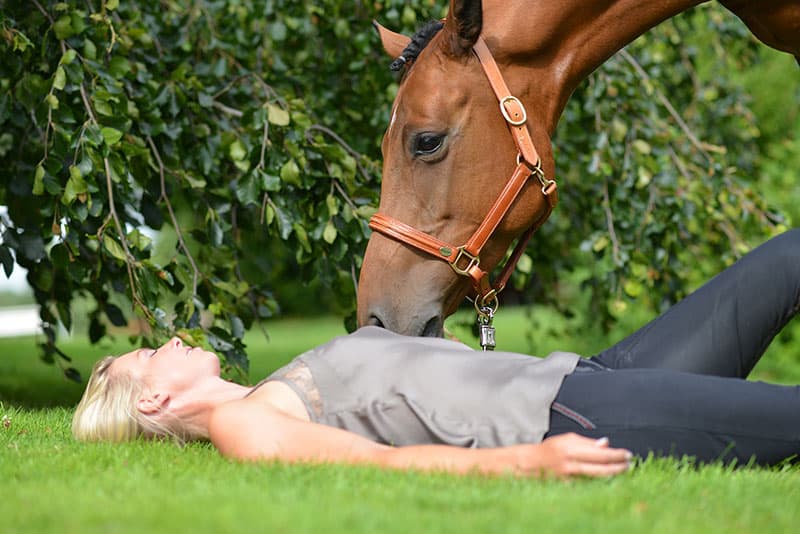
column 59, row 79
column 115, row 315
column 600, row 243
column 21, row 42
column 366, row 211
column 6, row 143
column 112, row 4
column 193, row 181
column 642, row 146
column 269, row 182
column 76, row 185
column 111, row 135
column 330, row 233
column 633, row 288
column 89, row 49
column 38, row 180
column 247, row 190
column 113, row 247
column 103, row 108
column 277, row 115
column 68, row 57
column 73, row 375
column 63, row 27
column 52, row 101
column 93, row 135
column 290, row 173
column 119, row 66
column 237, row 151
column 139, row 240
column 333, row 205
column 302, row 236
column 525, row 264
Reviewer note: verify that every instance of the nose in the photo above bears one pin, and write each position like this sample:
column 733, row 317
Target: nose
column 431, row 325
column 374, row 320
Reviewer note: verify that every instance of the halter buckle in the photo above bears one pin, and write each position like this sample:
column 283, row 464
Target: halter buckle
column 507, row 117
column 473, row 262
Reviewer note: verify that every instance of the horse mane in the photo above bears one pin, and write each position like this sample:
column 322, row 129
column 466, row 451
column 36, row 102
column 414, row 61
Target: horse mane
column 418, row 42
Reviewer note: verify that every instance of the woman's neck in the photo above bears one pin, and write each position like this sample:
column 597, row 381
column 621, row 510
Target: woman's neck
column 194, row 407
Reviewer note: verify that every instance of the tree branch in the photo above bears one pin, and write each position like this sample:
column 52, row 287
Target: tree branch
column 165, row 198
column 335, row 136
column 703, row 147
column 610, row 223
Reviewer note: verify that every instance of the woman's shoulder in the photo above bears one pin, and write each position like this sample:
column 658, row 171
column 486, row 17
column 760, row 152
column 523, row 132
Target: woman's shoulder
column 237, row 428
column 262, row 404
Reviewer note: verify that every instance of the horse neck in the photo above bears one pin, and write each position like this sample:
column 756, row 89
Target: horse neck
column 549, row 48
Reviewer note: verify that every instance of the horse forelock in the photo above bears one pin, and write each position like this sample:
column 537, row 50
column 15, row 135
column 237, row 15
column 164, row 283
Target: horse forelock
column 418, row 43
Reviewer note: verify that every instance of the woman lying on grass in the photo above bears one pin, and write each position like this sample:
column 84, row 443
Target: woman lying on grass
column 675, row 387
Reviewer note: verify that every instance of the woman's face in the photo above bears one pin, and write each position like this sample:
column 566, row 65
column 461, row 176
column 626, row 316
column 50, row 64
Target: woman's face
column 172, row 365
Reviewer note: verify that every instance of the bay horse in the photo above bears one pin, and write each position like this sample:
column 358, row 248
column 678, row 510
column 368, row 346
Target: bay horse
column 449, row 149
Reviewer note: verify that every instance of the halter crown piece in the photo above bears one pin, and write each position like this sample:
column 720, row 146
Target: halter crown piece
column 465, row 259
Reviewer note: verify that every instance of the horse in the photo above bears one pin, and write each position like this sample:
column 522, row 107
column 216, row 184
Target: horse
column 440, row 179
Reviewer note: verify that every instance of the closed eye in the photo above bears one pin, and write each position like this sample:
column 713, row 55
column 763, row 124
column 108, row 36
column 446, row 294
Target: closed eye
column 427, row 144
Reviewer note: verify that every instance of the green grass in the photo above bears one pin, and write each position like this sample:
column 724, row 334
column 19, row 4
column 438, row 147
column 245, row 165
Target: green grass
column 54, row 484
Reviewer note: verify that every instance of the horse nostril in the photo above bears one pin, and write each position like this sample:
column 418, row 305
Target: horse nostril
column 434, row 327
column 374, row 321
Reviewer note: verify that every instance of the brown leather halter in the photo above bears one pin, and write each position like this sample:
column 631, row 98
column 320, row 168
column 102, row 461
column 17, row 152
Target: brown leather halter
column 465, row 259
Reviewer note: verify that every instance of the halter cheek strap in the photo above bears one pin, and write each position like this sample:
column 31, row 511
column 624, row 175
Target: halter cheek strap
column 465, row 259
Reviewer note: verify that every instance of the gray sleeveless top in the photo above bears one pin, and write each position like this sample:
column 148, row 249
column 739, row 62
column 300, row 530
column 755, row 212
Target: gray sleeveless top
column 402, row 390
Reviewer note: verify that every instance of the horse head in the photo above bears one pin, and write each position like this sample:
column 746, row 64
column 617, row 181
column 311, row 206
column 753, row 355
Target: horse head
column 448, row 153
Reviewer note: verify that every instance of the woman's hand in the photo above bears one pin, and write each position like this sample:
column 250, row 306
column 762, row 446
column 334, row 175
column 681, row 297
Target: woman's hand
column 570, row 455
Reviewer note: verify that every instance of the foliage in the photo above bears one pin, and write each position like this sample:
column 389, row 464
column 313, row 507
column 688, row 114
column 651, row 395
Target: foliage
column 141, row 114
column 249, row 131
column 659, row 191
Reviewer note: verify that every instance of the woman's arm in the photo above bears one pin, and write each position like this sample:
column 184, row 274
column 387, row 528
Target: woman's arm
column 249, row 430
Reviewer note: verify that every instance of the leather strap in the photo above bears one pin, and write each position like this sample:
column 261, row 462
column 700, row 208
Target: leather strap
column 510, row 106
column 465, row 260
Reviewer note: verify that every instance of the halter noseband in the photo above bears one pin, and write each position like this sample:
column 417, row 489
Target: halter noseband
column 465, row 259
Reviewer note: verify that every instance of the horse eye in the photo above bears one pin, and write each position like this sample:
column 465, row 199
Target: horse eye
column 427, row 143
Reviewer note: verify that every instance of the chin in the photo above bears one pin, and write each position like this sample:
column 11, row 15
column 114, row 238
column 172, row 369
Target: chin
column 209, row 358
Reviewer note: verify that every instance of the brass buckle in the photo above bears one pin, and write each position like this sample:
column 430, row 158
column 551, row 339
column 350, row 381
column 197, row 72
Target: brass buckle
column 474, row 261
column 506, row 116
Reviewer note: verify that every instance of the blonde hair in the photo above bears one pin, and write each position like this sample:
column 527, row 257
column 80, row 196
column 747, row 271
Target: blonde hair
column 108, row 412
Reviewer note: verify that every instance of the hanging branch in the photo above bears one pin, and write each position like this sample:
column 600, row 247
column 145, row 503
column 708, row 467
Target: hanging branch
column 703, row 147
column 335, row 137
column 610, row 223
column 165, row 198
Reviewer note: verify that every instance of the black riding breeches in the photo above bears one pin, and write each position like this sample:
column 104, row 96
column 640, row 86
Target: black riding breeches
column 675, row 387
column 674, row 413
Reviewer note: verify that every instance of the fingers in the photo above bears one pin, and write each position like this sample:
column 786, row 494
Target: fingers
column 602, row 442
column 591, row 457
column 600, row 455
column 598, row 470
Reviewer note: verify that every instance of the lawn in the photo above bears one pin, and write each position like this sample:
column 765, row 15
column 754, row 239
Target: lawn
column 52, row 483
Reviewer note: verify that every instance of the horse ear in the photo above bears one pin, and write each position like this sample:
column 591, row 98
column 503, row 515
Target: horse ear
column 394, row 43
column 463, row 25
